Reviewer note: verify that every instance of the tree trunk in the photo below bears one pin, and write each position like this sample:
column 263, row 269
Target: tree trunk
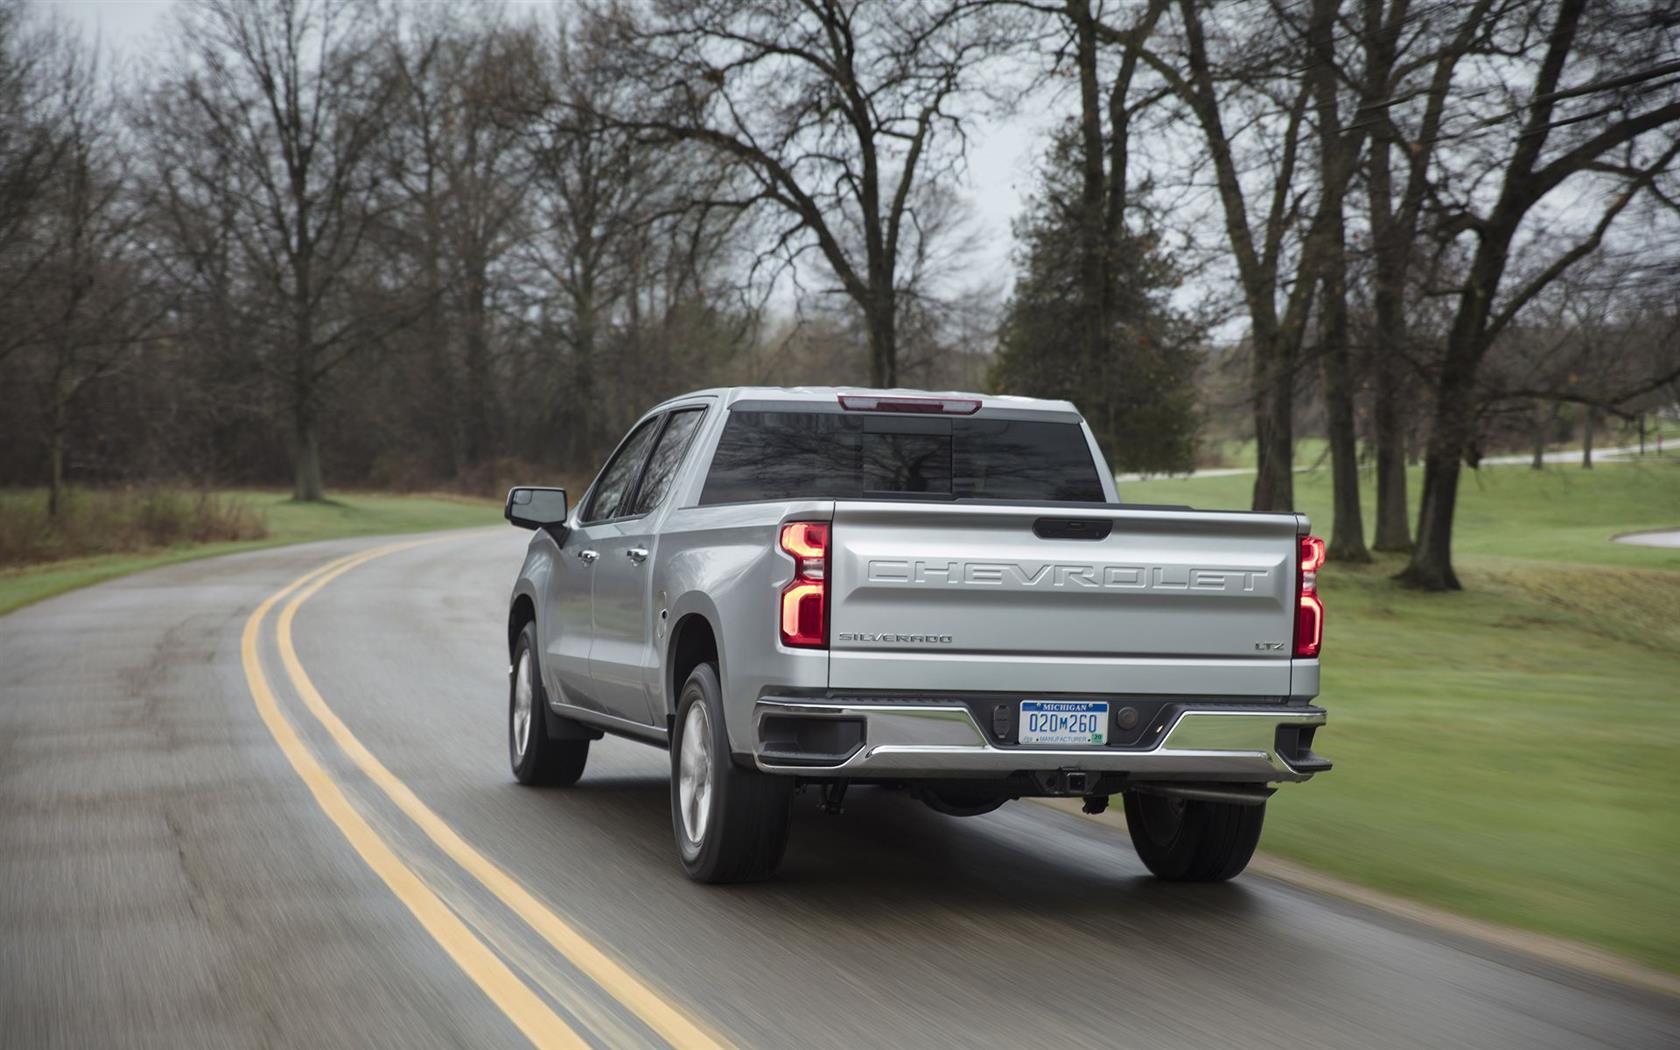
column 883, row 341
column 1587, row 437
column 478, row 370
column 1092, row 225
column 1431, row 563
column 307, row 487
column 306, row 483
column 1347, row 523
column 1274, row 426
column 443, row 411
column 1544, row 419
column 55, row 454
column 1388, row 415
column 1393, row 531
column 582, row 425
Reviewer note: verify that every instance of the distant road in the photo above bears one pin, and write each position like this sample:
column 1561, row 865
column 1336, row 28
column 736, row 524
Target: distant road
column 1664, row 538
column 245, row 805
column 1568, row 455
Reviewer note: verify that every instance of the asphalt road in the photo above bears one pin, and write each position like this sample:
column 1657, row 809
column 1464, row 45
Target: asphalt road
column 169, row 877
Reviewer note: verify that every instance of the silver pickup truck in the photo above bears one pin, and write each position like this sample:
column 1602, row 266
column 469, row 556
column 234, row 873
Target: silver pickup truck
column 805, row 589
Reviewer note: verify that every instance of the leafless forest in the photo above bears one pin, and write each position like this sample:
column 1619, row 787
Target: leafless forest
column 319, row 241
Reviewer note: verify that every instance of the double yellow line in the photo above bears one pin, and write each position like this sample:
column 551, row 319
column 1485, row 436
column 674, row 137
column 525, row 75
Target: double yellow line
column 527, row 1010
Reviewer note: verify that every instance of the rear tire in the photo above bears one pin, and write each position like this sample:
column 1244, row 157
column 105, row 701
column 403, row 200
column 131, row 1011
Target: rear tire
column 1190, row 840
column 731, row 824
column 537, row 758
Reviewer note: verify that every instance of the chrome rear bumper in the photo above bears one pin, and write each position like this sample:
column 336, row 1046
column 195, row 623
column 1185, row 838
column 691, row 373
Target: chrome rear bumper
column 943, row 740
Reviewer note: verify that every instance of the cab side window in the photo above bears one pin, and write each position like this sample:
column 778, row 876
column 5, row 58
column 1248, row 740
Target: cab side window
column 612, row 492
column 667, row 456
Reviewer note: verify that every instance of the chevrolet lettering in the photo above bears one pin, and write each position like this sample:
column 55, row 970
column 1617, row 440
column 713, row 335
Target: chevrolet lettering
column 1050, row 574
column 942, row 595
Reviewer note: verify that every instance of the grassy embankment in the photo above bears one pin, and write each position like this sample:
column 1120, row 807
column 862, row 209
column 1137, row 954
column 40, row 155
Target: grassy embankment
column 1508, row 752
column 115, row 533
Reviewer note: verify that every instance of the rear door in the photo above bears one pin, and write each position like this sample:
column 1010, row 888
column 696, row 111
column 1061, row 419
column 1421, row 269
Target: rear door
column 623, row 649
column 1047, row 599
column 571, row 601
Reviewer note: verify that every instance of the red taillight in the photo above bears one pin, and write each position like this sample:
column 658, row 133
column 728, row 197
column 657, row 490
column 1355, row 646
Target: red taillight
column 1309, row 625
column 805, row 600
column 802, row 614
column 1309, row 607
column 807, row 541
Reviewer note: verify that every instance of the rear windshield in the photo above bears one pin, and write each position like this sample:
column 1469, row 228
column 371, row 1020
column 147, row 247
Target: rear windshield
column 835, row 455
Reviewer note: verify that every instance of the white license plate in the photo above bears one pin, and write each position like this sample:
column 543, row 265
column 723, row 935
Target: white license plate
column 1064, row 722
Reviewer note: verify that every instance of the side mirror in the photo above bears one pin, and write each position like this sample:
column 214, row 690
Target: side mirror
column 534, row 508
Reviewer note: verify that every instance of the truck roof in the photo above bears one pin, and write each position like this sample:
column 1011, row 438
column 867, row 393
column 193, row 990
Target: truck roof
column 731, row 394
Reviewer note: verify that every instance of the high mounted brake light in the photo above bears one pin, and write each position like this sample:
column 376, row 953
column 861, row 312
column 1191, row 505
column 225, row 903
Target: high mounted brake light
column 1309, row 607
column 950, row 406
column 804, row 621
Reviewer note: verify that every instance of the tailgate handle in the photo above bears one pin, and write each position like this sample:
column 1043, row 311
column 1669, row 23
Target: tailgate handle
column 1072, row 528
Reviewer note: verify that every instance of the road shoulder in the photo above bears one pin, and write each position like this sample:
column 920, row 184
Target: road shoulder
column 1556, row 950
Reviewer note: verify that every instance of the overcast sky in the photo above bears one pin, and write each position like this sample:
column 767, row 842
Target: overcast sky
column 1000, row 165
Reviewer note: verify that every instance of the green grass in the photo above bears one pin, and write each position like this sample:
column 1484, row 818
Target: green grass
column 1562, row 513
column 1508, row 752
column 346, row 514
column 1239, row 452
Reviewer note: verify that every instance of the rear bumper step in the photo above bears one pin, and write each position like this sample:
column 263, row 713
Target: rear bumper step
column 854, row 738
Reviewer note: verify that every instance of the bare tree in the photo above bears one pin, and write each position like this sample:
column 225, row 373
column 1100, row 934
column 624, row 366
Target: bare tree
column 88, row 293
column 593, row 184
column 630, row 235
column 76, row 302
column 285, row 94
column 1341, row 140
column 1104, row 157
column 1578, row 111
column 1251, row 108
column 31, row 150
column 459, row 171
column 1410, row 62
column 1600, row 341
column 837, row 111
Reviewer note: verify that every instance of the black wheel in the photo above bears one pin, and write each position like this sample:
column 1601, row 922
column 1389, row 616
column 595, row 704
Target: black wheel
column 731, row 824
column 1189, row 840
column 537, row 758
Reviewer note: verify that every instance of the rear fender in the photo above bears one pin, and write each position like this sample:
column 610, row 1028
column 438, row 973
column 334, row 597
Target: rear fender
column 693, row 603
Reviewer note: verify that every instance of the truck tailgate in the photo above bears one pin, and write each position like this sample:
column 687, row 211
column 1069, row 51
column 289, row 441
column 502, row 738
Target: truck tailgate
column 970, row 597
